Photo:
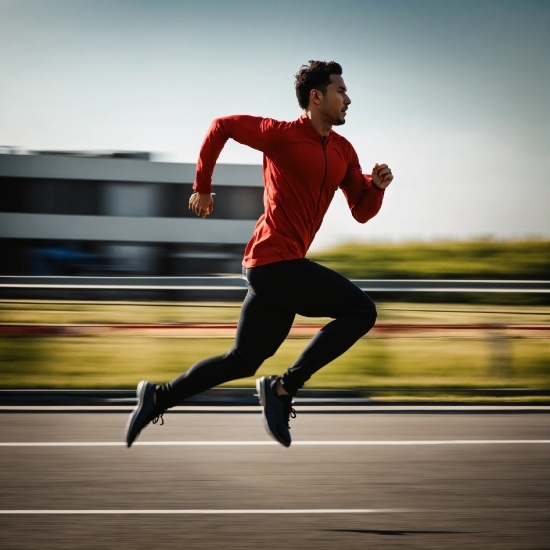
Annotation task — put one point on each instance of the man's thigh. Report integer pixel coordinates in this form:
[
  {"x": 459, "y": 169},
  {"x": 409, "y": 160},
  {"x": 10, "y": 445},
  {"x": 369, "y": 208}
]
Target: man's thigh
[
  {"x": 323, "y": 292},
  {"x": 307, "y": 288},
  {"x": 263, "y": 327}
]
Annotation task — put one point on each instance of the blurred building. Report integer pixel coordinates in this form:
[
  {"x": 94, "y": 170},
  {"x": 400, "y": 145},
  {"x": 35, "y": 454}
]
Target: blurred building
[{"x": 78, "y": 213}]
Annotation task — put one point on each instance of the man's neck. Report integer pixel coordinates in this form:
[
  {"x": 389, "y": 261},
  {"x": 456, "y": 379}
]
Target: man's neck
[{"x": 318, "y": 123}]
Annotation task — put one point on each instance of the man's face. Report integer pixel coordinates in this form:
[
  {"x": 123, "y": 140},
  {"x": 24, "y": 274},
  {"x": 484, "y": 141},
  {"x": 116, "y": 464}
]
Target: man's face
[{"x": 335, "y": 101}]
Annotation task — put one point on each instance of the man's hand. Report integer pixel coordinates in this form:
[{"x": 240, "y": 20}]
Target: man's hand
[
  {"x": 202, "y": 204},
  {"x": 381, "y": 176}
]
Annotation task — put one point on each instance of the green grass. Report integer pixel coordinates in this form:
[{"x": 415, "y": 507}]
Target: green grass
[
  {"x": 480, "y": 259},
  {"x": 78, "y": 312},
  {"x": 463, "y": 359},
  {"x": 120, "y": 361}
]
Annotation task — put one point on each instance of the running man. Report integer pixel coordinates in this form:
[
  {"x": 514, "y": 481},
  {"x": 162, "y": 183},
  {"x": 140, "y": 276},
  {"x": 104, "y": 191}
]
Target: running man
[{"x": 304, "y": 163}]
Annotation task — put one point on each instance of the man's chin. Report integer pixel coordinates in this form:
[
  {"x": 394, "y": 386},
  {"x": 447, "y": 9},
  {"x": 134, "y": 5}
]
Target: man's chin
[{"x": 340, "y": 121}]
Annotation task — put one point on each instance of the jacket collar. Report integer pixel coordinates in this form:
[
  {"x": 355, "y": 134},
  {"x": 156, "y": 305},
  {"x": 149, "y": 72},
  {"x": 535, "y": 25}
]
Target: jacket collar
[{"x": 311, "y": 130}]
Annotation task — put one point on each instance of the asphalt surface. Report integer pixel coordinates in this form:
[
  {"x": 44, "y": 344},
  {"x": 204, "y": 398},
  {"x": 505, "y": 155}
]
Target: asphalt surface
[{"x": 212, "y": 479}]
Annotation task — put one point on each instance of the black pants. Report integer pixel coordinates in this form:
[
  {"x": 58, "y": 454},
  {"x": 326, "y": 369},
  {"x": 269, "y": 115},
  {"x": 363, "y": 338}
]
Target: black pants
[{"x": 277, "y": 292}]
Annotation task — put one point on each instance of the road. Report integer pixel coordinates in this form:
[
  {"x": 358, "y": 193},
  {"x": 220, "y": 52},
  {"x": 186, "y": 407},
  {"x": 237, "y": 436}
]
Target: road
[{"x": 212, "y": 479}]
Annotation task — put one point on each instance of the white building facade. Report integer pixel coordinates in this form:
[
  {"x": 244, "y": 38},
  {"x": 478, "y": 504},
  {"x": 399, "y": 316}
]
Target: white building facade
[{"x": 116, "y": 213}]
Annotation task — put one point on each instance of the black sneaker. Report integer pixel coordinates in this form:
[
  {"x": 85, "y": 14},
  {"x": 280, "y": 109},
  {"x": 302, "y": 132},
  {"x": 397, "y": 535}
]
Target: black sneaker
[
  {"x": 277, "y": 410},
  {"x": 145, "y": 412}
]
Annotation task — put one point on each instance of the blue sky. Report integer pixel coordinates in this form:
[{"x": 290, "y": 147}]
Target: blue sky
[{"x": 453, "y": 94}]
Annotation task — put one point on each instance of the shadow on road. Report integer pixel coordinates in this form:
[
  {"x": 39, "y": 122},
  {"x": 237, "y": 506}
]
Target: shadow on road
[{"x": 395, "y": 532}]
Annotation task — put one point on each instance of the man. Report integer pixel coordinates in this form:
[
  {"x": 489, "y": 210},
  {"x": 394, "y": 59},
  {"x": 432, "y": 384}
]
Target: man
[{"x": 305, "y": 162}]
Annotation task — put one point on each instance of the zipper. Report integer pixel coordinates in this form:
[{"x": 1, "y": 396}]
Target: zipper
[{"x": 323, "y": 139}]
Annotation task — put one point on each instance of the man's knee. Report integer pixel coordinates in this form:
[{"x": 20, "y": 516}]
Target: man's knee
[
  {"x": 244, "y": 365},
  {"x": 372, "y": 311},
  {"x": 367, "y": 315}
]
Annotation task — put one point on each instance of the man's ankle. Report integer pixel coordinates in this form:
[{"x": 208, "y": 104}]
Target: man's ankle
[
  {"x": 161, "y": 398},
  {"x": 279, "y": 388}
]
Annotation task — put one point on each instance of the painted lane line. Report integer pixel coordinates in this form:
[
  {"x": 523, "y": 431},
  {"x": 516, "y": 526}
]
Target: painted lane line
[
  {"x": 201, "y": 511},
  {"x": 303, "y": 408},
  {"x": 273, "y": 443}
]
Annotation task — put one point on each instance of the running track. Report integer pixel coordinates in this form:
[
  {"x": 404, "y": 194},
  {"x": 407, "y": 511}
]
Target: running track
[{"x": 212, "y": 479}]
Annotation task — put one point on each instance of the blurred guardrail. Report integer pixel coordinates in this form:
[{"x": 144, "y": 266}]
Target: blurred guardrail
[
  {"x": 247, "y": 396},
  {"x": 226, "y": 288}
]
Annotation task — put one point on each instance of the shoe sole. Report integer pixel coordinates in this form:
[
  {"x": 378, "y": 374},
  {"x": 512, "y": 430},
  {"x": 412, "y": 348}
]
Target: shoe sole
[
  {"x": 140, "y": 394},
  {"x": 260, "y": 388}
]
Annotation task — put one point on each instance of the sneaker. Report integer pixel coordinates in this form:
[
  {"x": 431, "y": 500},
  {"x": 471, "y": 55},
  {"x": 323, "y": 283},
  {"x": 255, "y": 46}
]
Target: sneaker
[
  {"x": 145, "y": 412},
  {"x": 277, "y": 410}
]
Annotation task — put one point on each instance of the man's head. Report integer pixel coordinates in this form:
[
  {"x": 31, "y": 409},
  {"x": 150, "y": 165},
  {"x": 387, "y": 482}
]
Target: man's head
[{"x": 320, "y": 86}]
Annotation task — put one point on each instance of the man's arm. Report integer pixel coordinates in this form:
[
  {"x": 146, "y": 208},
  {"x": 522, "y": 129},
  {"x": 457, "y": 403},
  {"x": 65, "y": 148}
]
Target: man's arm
[
  {"x": 363, "y": 192},
  {"x": 256, "y": 132}
]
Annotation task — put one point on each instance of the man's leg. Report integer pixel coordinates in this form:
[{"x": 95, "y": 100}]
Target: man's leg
[
  {"x": 313, "y": 291},
  {"x": 317, "y": 291},
  {"x": 276, "y": 292},
  {"x": 262, "y": 328}
]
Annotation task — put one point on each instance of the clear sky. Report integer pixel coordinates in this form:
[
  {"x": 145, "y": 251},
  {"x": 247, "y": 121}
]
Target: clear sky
[{"x": 453, "y": 94}]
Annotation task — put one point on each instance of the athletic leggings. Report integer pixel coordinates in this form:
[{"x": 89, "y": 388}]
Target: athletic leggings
[{"x": 276, "y": 293}]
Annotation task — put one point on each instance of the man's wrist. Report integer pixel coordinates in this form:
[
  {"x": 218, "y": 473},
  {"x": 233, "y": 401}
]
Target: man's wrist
[{"x": 376, "y": 186}]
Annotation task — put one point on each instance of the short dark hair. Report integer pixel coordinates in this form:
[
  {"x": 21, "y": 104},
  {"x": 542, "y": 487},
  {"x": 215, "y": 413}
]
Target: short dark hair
[{"x": 315, "y": 76}]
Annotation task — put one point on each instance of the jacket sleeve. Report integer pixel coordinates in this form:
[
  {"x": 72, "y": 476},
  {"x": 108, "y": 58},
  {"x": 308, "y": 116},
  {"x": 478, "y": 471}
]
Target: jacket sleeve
[
  {"x": 256, "y": 132},
  {"x": 364, "y": 199}
]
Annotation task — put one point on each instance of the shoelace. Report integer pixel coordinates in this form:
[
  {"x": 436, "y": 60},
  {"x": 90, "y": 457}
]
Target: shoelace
[
  {"x": 157, "y": 418},
  {"x": 289, "y": 413}
]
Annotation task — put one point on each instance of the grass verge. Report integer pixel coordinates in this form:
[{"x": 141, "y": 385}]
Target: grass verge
[{"x": 120, "y": 360}]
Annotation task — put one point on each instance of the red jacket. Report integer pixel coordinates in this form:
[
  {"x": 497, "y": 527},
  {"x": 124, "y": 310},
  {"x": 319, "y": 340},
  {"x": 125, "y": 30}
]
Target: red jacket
[{"x": 302, "y": 171}]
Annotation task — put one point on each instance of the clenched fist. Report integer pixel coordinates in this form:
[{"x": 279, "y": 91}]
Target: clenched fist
[
  {"x": 202, "y": 204},
  {"x": 381, "y": 176}
]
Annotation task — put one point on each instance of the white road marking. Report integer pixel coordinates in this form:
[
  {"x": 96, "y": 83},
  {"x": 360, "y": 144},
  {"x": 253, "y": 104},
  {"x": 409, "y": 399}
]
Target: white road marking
[
  {"x": 519, "y": 408},
  {"x": 411, "y": 442},
  {"x": 200, "y": 511}
]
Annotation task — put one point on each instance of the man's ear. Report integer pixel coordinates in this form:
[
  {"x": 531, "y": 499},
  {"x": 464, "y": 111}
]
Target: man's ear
[{"x": 315, "y": 96}]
